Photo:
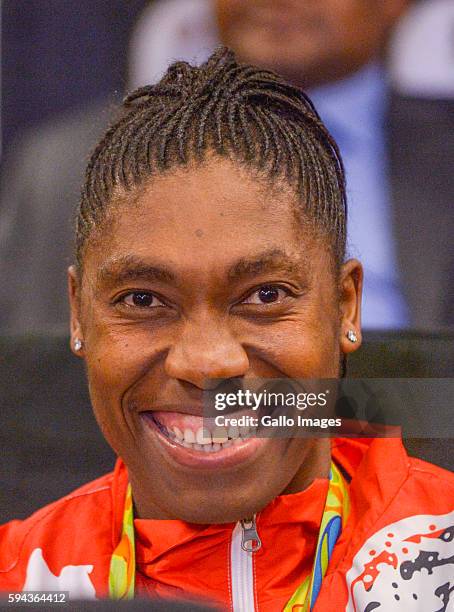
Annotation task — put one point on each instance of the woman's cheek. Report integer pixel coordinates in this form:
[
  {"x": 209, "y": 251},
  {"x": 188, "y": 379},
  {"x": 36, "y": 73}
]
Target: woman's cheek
[{"x": 280, "y": 353}]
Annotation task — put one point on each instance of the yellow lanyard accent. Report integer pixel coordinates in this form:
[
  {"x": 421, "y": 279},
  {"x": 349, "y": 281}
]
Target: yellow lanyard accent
[
  {"x": 122, "y": 572},
  {"x": 335, "y": 514}
]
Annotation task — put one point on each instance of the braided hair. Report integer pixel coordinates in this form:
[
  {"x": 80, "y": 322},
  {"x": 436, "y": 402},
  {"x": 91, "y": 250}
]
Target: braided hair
[{"x": 236, "y": 111}]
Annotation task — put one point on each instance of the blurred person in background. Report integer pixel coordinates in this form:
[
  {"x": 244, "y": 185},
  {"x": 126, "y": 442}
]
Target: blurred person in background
[{"x": 398, "y": 152}]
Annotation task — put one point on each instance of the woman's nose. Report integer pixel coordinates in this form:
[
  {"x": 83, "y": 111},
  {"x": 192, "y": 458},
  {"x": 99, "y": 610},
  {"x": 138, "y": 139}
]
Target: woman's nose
[{"x": 205, "y": 352}]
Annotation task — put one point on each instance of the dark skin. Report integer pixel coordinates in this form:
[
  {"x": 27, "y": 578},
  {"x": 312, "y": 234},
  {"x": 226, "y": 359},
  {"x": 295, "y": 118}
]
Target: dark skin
[
  {"x": 325, "y": 40},
  {"x": 200, "y": 243}
]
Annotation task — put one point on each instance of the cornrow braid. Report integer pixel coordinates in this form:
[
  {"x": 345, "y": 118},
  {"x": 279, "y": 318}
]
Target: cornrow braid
[{"x": 249, "y": 115}]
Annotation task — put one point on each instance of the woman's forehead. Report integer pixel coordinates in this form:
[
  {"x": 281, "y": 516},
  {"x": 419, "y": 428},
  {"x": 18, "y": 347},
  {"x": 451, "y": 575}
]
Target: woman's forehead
[
  {"x": 211, "y": 218},
  {"x": 209, "y": 207},
  {"x": 216, "y": 187}
]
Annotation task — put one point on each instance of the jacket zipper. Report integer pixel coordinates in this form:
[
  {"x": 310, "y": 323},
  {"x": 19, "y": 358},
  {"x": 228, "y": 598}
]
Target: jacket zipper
[{"x": 245, "y": 542}]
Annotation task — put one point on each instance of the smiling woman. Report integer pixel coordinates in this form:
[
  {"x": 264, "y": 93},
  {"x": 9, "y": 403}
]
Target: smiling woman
[{"x": 211, "y": 245}]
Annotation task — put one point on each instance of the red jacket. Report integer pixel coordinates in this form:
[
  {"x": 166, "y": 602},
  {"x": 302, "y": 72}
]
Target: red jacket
[{"x": 396, "y": 551}]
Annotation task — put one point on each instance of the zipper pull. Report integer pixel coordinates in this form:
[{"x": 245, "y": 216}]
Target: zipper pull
[{"x": 250, "y": 541}]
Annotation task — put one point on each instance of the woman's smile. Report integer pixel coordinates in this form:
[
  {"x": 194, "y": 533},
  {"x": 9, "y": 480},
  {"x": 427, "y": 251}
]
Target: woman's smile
[{"x": 193, "y": 441}]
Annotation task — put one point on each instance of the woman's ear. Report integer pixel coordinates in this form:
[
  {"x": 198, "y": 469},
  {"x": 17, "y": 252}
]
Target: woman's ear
[
  {"x": 350, "y": 286},
  {"x": 77, "y": 341}
]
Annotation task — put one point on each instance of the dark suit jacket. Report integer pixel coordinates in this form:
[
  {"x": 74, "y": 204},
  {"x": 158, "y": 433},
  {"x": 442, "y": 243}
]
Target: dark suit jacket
[
  {"x": 40, "y": 189},
  {"x": 421, "y": 149},
  {"x": 42, "y": 182}
]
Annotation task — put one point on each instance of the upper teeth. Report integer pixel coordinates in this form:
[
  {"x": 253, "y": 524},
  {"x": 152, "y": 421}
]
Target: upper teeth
[
  {"x": 204, "y": 437},
  {"x": 189, "y": 436}
]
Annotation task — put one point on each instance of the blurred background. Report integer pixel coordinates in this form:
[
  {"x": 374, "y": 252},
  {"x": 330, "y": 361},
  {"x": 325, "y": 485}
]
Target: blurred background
[{"x": 381, "y": 75}]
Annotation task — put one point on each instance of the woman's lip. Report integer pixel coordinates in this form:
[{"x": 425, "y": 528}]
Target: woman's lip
[
  {"x": 226, "y": 457},
  {"x": 193, "y": 421}
]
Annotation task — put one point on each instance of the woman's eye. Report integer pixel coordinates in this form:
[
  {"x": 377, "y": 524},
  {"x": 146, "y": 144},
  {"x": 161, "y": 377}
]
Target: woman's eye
[
  {"x": 268, "y": 294},
  {"x": 141, "y": 299}
]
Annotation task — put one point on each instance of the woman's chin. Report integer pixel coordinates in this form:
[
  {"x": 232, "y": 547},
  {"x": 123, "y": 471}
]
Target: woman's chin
[{"x": 220, "y": 511}]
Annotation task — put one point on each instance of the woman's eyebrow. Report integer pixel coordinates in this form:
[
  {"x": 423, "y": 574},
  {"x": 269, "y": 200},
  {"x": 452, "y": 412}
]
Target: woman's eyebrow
[
  {"x": 268, "y": 261},
  {"x": 129, "y": 267}
]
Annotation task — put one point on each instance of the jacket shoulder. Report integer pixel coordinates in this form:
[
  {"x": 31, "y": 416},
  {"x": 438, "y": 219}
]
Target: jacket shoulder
[
  {"x": 437, "y": 476},
  {"x": 72, "y": 531}
]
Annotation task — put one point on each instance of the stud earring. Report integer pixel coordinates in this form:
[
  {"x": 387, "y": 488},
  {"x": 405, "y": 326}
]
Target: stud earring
[
  {"x": 352, "y": 336},
  {"x": 77, "y": 344}
]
